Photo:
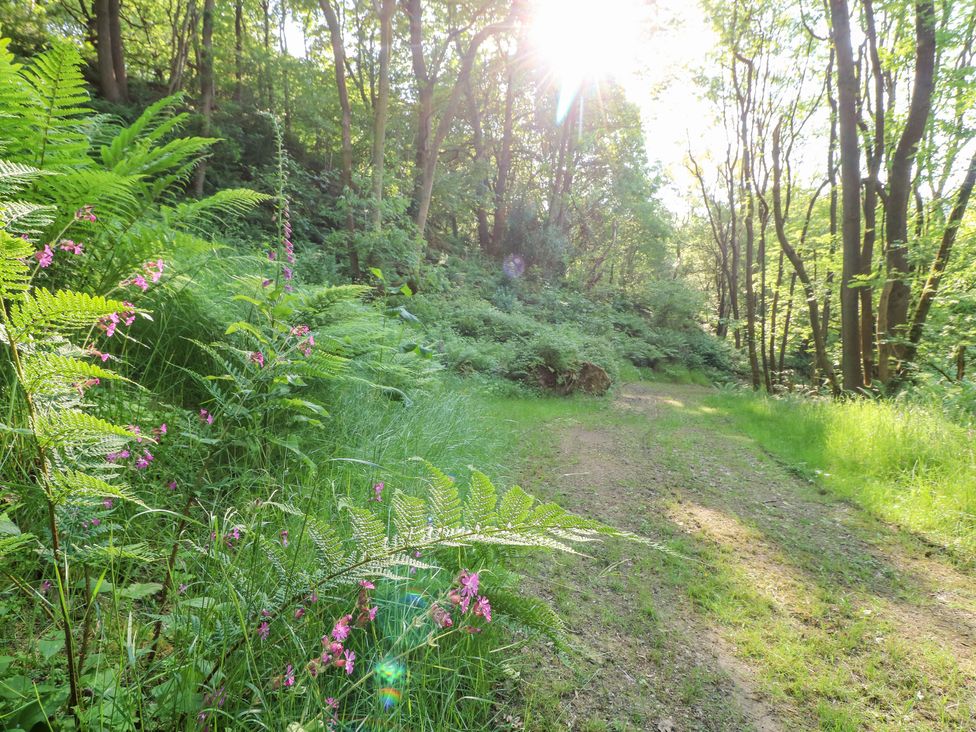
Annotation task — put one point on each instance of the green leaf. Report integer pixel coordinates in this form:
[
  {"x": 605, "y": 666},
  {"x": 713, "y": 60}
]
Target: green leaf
[{"x": 141, "y": 590}]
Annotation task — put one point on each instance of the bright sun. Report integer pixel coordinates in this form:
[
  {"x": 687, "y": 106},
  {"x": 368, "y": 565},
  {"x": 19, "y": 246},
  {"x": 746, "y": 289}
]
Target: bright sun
[{"x": 583, "y": 40}]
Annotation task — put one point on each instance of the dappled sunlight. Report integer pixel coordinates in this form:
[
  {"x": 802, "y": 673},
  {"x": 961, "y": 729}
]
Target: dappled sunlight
[{"x": 768, "y": 569}]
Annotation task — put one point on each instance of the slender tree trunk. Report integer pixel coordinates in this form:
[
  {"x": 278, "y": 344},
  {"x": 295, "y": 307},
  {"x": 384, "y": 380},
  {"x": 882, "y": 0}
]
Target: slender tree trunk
[
  {"x": 269, "y": 96},
  {"x": 381, "y": 110},
  {"x": 786, "y": 326},
  {"x": 851, "y": 195},
  {"x": 238, "y": 50},
  {"x": 481, "y": 164},
  {"x": 106, "y": 64},
  {"x": 118, "y": 52},
  {"x": 875, "y": 155},
  {"x": 429, "y": 144},
  {"x": 504, "y": 163},
  {"x": 745, "y": 102},
  {"x": 832, "y": 178},
  {"x": 931, "y": 288},
  {"x": 895, "y": 297},
  {"x": 345, "y": 180},
  {"x": 206, "y": 89},
  {"x": 823, "y": 362}
]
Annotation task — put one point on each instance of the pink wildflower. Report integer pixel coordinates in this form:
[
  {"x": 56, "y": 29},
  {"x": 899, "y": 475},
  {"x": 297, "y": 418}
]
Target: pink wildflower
[
  {"x": 378, "y": 492},
  {"x": 313, "y": 667},
  {"x": 300, "y": 331},
  {"x": 171, "y": 485},
  {"x": 128, "y": 316},
  {"x": 143, "y": 462},
  {"x": 85, "y": 212},
  {"x": 284, "y": 537},
  {"x": 272, "y": 255},
  {"x": 469, "y": 583},
  {"x": 67, "y": 245},
  {"x": 313, "y": 598},
  {"x": 299, "y": 613},
  {"x": 349, "y": 662},
  {"x": 335, "y": 648},
  {"x": 340, "y": 630},
  {"x": 206, "y": 416},
  {"x": 258, "y": 358},
  {"x": 371, "y": 612},
  {"x": 287, "y": 273},
  {"x": 182, "y": 589},
  {"x": 113, "y": 457},
  {"x": 108, "y": 324},
  {"x": 140, "y": 282},
  {"x": 266, "y": 283},
  {"x": 482, "y": 608},
  {"x": 289, "y": 675},
  {"x": 366, "y": 584},
  {"x": 264, "y": 630},
  {"x": 441, "y": 616},
  {"x": 154, "y": 269},
  {"x": 107, "y": 503},
  {"x": 44, "y": 257},
  {"x": 95, "y": 522},
  {"x": 45, "y": 586},
  {"x": 95, "y": 352},
  {"x": 160, "y": 431}
]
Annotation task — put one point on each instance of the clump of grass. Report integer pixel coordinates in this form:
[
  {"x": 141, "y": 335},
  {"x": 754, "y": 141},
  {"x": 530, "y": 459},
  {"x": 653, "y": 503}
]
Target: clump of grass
[{"x": 909, "y": 464}]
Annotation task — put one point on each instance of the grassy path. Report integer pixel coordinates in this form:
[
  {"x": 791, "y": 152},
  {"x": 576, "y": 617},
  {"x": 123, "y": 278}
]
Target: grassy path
[{"x": 780, "y": 608}]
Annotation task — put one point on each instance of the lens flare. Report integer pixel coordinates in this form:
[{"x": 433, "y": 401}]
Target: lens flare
[{"x": 390, "y": 676}]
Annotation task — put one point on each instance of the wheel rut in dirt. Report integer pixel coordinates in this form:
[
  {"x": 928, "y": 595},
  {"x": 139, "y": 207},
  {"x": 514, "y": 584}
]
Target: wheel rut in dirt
[{"x": 655, "y": 652}]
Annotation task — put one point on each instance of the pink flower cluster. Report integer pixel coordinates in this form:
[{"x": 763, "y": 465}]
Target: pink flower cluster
[
  {"x": 462, "y": 597},
  {"x": 45, "y": 257},
  {"x": 288, "y": 246},
  {"x": 308, "y": 340},
  {"x": 152, "y": 270},
  {"x": 85, "y": 213},
  {"x": 67, "y": 245},
  {"x": 110, "y": 323},
  {"x": 258, "y": 358}
]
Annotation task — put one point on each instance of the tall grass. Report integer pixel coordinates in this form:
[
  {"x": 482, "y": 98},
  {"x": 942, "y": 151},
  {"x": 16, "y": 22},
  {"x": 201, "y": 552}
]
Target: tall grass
[{"x": 907, "y": 463}]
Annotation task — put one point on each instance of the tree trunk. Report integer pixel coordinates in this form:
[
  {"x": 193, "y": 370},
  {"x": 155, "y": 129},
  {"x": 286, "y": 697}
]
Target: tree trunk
[
  {"x": 481, "y": 164},
  {"x": 504, "y": 162},
  {"x": 381, "y": 110},
  {"x": 745, "y": 101},
  {"x": 345, "y": 179},
  {"x": 823, "y": 362},
  {"x": 875, "y": 158},
  {"x": 106, "y": 64},
  {"x": 895, "y": 297},
  {"x": 851, "y": 195},
  {"x": 206, "y": 89},
  {"x": 931, "y": 288},
  {"x": 238, "y": 50},
  {"x": 428, "y": 145},
  {"x": 118, "y": 53}
]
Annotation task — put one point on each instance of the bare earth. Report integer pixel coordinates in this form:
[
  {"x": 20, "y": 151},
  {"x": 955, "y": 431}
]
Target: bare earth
[{"x": 770, "y": 583}]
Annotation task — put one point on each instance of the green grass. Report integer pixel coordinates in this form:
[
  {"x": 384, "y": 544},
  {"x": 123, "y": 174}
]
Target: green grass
[{"x": 907, "y": 464}]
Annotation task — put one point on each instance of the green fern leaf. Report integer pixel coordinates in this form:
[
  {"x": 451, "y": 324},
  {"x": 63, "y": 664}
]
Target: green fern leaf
[
  {"x": 70, "y": 484},
  {"x": 479, "y": 508}
]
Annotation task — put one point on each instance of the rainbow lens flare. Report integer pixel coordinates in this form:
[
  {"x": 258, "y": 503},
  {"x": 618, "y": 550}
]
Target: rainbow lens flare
[{"x": 389, "y": 676}]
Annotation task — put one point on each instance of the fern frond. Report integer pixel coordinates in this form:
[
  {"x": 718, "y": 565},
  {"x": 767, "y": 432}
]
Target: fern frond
[
  {"x": 24, "y": 217},
  {"x": 479, "y": 506},
  {"x": 42, "y": 311},
  {"x": 14, "y": 271},
  {"x": 443, "y": 502},
  {"x": 409, "y": 517},
  {"x": 70, "y": 428},
  {"x": 227, "y": 203},
  {"x": 155, "y": 122},
  {"x": 48, "y": 372},
  {"x": 11, "y": 544},
  {"x": 66, "y": 485},
  {"x": 14, "y": 177},
  {"x": 59, "y": 101}
]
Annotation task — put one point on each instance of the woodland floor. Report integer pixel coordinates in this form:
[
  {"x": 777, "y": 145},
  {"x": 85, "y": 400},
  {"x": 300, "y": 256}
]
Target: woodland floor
[{"x": 775, "y": 606}]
